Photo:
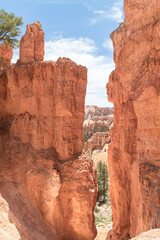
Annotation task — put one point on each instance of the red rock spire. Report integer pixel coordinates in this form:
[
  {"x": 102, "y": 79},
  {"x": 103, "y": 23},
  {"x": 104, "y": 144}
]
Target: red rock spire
[{"x": 32, "y": 44}]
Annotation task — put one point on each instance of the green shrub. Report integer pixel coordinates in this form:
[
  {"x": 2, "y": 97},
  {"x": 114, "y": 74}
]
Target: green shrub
[{"x": 9, "y": 28}]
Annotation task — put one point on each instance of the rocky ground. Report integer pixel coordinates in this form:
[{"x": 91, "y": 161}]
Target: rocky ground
[
  {"x": 153, "y": 234},
  {"x": 100, "y": 155},
  {"x": 103, "y": 216},
  {"x": 102, "y": 213}
]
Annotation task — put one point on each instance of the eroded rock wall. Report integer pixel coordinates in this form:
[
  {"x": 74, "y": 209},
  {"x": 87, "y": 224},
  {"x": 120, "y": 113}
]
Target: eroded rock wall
[
  {"x": 134, "y": 88},
  {"x": 6, "y": 53},
  {"x": 48, "y": 189}
]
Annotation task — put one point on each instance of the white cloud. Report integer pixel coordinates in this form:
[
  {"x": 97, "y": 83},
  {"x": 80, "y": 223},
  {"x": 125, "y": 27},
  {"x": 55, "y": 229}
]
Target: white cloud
[
  {"x": 94, "y": 21},
  {"x": 15, "y": 55},
  {"x": 108, "y": 44},
  {"x": 114, "y": 14},
  {"x": 70, "y": 45},
  {"x": 99, "y": 12},
  {"x": 59, "y": 2},
  {"x": 83, "y": 51}
]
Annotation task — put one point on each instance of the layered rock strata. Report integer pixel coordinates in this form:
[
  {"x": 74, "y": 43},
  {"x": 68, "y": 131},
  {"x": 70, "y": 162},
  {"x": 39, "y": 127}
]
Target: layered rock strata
[
  {"x": 95, "y": 111},
  {"x": 134, "y": 154},
  {"x": 48, "y": 189},
  {"x": 97, "y": 141},
  {"x": 97, "y": 119}
]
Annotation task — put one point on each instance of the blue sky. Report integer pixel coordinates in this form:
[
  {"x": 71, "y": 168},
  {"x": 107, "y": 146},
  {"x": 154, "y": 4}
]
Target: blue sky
[{"x": 78, "y": 29}]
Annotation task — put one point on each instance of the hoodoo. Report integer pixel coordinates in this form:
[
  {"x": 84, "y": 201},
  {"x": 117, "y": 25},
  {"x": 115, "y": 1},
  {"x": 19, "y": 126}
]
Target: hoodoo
[
  {"x": 47, "y": 188},
  {"x": 134, "y": 153},
  {"x": 32, "y": 44}
]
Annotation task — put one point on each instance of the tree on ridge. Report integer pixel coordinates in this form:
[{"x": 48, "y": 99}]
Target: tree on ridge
[{"x": 9, "y": 28}]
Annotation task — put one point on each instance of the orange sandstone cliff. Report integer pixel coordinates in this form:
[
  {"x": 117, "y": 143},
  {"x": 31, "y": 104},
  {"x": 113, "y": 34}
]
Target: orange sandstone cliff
[
  {"x": 134, "y": 88},
  {"x": 47, "y": 188}
]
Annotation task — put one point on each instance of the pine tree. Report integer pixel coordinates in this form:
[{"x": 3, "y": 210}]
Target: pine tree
[
  {"x": 102, "y": 180},
  {"x": 9, "y": 28},
  {"x": 86, "y": 137}
]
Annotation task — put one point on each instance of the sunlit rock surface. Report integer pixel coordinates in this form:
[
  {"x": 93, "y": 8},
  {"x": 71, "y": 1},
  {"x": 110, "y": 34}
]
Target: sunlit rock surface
[
  {"x": 32, "y": 44},
  {"x": 134, "y": 88},
  {"x": 48, "y": 189}
]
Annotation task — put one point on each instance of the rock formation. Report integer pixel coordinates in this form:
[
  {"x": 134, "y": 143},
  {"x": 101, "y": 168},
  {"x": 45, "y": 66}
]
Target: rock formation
[
  {"x": 47, "y": 188},
  {"x": 153, "y": 234},
  {"x": 134, "y": 153},
  {"x": 92, "y": 111},
  {"x": 32, "y": 44},
  {"x": 6, "y": 54},
  {"x": 97, "y": 119},
  {"x": 97, "y": 141}
]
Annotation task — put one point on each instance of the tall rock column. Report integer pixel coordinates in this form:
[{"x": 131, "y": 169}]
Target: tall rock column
[
  {"x": 134, "y": 153},
  {"x": 47, "y": 188},
  {"x": 32, "y": 44}
]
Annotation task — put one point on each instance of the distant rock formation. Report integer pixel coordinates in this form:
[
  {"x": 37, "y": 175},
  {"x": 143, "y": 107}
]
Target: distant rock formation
[
  {"x": 97, "y": 141},
  {"x": 97, "y": 119},
  {"x": 47, "y": 188},
  {"x": 97, "y": 124},
  {"x": 134, "y": 153},
  {"x": 92, "y": 111}
]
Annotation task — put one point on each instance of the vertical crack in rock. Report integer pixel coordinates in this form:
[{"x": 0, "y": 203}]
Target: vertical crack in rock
[
  {"x": 47, "y": 188},
  {"x": 134, "y": 88}
]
